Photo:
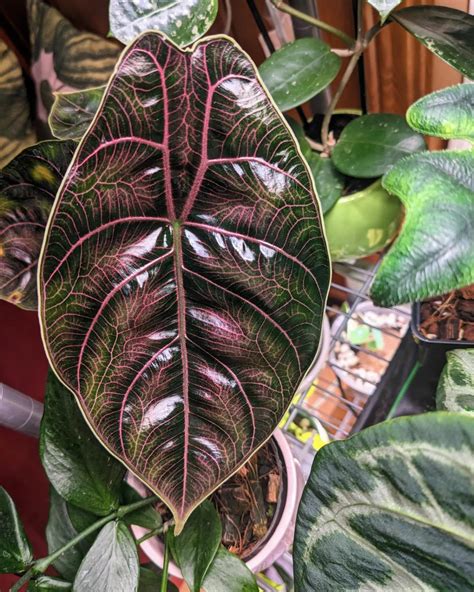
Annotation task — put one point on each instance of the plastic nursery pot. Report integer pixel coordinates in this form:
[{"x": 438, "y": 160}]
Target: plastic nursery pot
[
  {"x": 280, "y": 534},
  {"x": 438, "y": 344},
  {"x": 362, "y": 223},
  {"x": 320, "y": 359}
]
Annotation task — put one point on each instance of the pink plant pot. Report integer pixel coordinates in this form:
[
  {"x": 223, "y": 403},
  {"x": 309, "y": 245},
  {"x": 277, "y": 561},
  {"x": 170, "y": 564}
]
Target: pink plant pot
[{"x": 278, "y": 542}]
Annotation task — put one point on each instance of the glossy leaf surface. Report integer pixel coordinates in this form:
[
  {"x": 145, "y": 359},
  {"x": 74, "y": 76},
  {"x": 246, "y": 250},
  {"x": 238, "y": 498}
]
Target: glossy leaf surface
[
  {"x": 299, "y": 71},
  {"x": 15, "y": 549},
  {"x": 77, "y": 465},
  {"x": 185, "y": 272},
  {"x": 27, "y": 189},
  {"x": 195, "y": 548},
  {"x": 435, "y": 251},
  {"x": 447, "y": 113},
  {"x": 60, "y": 531},
  {"x": 48, "y": 584},
  {"x": 328, "y": 180},
  {"x": 370, "y": 145},
  {"x": 150, "y": 581},
  {"x": 147, "y": 517},
  {"x": 447, "y": 32},
  {"x": 111, "y": 565},
  {"x": 183, "y": 22},
  {"x": 391, "y": 508},
  {"x": 384, "y": 7},
  {"x": 455, "y": 390},
  {"x": 227, "y": 572},
  {"x": 73, "y": 112}
]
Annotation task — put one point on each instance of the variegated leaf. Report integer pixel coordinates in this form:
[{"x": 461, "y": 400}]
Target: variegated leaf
[
  {"x": 28, "y": 186},
  {"x": 391, "y": 508},
  {"x": 73, "y": 112},
  {"x": 456, "y": 386},
  {"x": 185, "y": 271}
]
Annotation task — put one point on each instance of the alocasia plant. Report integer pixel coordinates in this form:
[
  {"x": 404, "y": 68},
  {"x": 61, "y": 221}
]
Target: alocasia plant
[
  {"x": 27, "y": 189},
  {"x": 184, "y": 271}
]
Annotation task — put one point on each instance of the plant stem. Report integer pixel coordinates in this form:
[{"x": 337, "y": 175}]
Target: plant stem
[
  {"x": 41, "y": 565},
  {"x": 166, "y": 561},
  {"x": 155, "y": 532},
  {"x": 349, "y": 41},
  {"x": 361, "y": 43}
]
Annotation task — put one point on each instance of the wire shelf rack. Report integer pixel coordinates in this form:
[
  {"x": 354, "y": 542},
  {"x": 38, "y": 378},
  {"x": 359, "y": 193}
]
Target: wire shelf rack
[{"x": 329, "y": 408}]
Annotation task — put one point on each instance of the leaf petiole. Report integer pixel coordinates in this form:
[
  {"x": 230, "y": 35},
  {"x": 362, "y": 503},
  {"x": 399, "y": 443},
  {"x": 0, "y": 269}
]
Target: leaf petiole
[{"x": 166, "y": 560}]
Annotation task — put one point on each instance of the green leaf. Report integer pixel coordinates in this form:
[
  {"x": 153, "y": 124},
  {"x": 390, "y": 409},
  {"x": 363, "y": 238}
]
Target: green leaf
[
  {"x": 80, "y": 519},
  {"x": 195, "y": 548},
  {"x": 48, "y": 584},
  {"x": 15, "y": 549},
  {"x": 299, "y": 71},
  {"x": 147, "y": 517},
  {"x": 150, "y": 581},
  {"x": 16, "y": 130},
  {"x": 434, "y": 252},
  {"x": 183, "y": 22},
  {"x": 384, "y": 7},
  {"x": 447, "y": 32},
  {"x": 300, "y": 136},
  {"x": 370, "y": 145},
  {"x": 328, "y": 180},
  {"x": 455, "y": 390},
  {"x": 447, "y": 113},
  {"x": 229, "y": 573},
  {"x": 391, "y": 508},
  {"x": 111, "y": 565},
  {"x": 73, "y": 112},
  {"x": 60, "y": 531},
  {"x": 28, "y": 185},
  {"x": 79, "y": 468}
]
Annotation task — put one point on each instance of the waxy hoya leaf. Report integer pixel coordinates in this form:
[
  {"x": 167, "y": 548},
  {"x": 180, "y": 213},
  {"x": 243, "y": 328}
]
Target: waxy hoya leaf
[
  {"x": 185, "y": 272},
  {"x": 28, "y": 185},
  {"x": 73, "y": 112},
  {"x": 183, "y": 21}
]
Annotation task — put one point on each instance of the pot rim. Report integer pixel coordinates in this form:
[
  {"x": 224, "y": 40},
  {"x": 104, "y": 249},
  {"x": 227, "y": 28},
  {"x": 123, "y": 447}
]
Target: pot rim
[{"x": 266, "y": 555}]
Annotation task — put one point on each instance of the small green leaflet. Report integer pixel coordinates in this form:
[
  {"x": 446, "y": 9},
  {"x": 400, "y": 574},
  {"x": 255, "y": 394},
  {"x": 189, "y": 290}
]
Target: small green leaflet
[
  {"x": 299, "y": 71},
  {"x": 48, "y": 584},
  {"x": 384, "y": 7},
  {"x": 73, "y": 112},
  {"x": 15, "y": 549},
  {"x": 455, "y": 390},
  {"x": 391, "y": 508},
  {"x": 434, "y": 252},
  {"x": 229, "y": 573},
  {"x": 328, "y": 180},
  {"x": 183, "y": 21},
  {"x": 447, "y": 113}
]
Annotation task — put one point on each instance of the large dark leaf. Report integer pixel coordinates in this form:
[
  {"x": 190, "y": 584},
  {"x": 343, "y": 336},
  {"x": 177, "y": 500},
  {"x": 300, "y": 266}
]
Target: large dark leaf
[
  {"x": 447, "y": 32},
  {"x": 195, "y": 548},
  {"x": 435, "y": 251},
  {"x": 78, "y": 466},
  {"x": 15, "y": 549},
  {"x": 391, "y": 508},
  {"x": 111, "y": 564},
  {"x": 27, "y": 189},
  {"x": 185, "y": 271}
]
